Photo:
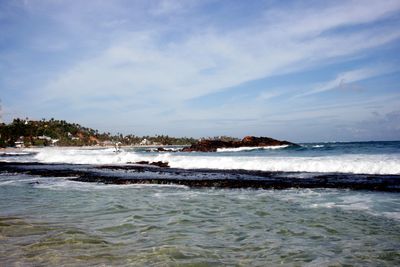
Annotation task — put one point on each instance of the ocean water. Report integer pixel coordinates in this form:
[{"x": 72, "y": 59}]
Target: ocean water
[{"x": 54, "y": 221}]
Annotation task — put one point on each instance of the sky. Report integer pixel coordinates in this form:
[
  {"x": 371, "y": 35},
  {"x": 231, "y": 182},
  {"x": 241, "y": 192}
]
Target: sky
[{"x": 297, "y": 70}]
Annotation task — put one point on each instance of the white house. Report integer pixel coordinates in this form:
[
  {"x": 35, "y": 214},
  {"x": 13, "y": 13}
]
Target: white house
[
  {"x": 145, "y": 142},
  {"x": 20, "y": 142},
  {"x": 44, "y": 137}
]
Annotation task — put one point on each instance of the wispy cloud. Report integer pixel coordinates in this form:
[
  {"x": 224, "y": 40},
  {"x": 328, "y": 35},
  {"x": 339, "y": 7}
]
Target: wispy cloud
[
  {"x": 312, "y": 20},
  {"x": 206, "y": 62},
  {"x": 169, "y": 7},
  {"x": 139, "y": 59},
  {"x": 267, "y": 95},
  {"x": 348, "y": 77}
]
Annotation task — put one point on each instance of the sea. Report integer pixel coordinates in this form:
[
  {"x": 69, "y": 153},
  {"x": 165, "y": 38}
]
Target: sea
[{"x": 53, "y": 220}]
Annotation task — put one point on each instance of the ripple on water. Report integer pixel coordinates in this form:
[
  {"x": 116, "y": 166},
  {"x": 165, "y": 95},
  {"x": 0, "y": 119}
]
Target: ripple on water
[{"x": 168, "y": 225}]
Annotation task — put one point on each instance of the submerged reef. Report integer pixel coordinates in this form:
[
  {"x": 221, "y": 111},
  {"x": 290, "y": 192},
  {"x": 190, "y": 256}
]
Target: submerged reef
[{"x": 152, "y": 173}]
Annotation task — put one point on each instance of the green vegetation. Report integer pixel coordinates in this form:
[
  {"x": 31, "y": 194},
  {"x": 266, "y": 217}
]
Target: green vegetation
[{"x": 62, "y": 133}]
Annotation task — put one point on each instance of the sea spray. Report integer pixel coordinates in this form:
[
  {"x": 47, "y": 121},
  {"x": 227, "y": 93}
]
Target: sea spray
[{"x": 329, "y": 163}]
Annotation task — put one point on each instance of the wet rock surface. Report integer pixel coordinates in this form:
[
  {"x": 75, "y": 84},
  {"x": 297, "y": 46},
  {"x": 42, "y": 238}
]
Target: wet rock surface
[
  {"x": 248, "y": 141},
  {"x": 149, "y": 174},
  {"x": 154, "y": 163}
]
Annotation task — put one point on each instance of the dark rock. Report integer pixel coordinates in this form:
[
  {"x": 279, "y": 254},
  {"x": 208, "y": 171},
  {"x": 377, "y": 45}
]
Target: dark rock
[
  {"x": 160, "y": 164},
  {"x": 142, "y": 162},
  {"x": 161, "y": 149},
  {"x": 205, "y": 178},
  {"x": 248, "y": 141},
  {"x": 252, "y": 141},
  {"x": 155, "y": 163}
]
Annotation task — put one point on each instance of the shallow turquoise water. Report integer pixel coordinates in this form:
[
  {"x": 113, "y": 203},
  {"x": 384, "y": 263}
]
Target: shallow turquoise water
[
  {"x": 48, "y": 221},
  {"x": 53, "y": 221}
]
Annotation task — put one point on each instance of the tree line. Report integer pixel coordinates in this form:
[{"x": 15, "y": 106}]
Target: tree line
[{"x": 59, "y": 132}]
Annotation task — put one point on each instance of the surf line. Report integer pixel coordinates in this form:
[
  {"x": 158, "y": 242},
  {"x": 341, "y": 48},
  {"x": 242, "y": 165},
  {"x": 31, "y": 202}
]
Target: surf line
[{"x": 145, "y": 173}]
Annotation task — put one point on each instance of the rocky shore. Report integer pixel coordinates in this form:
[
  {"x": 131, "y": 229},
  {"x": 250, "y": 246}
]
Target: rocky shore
[
  {"x": 148, "y": 173},
  {"x": 248, "y": 141}
]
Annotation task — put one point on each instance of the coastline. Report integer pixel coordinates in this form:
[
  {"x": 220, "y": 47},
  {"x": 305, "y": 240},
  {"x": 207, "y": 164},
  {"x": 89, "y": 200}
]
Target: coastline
[
  {"x": 86, "y": 147},
  {"x": 145, "y": 173},
  {"x": 68, "y": 202}
]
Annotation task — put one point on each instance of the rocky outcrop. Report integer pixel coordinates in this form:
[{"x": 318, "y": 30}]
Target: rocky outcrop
[
  {"x": 143, "y": 174},
  {"x": 248, "y": 141},
  {"x": 207, "y": 146},
  {"x": 154, "y": 163}
]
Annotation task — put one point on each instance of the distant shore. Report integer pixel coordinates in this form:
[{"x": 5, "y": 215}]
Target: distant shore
[{"x": 94, "y": 146}]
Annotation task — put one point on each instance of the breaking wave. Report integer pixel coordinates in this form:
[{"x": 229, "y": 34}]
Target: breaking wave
[
  {"x": 360, "y": 164},
  {"x": 245, "y": 148},
  {"x": 353, "y": 163}
]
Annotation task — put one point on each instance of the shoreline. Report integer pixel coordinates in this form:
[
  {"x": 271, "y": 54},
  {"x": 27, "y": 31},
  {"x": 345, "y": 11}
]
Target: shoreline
[
  {"x": 86, "y": 147},
  {"x": 209, "y": 178}
]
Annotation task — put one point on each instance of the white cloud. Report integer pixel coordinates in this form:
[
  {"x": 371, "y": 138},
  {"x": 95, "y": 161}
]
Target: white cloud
[
  {"x": 313, "y": 20},
  {"x": 167, "y": 7},
  {"x": 348, "y": 77},
  {"x": 148, "y": 59},
  {"x": 206, "y": 62},
  {"x": 268, "y": 94}
]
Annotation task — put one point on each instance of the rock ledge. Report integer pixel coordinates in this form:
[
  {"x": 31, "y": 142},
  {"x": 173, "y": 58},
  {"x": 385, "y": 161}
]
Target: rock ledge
[{"x": 248, "y": 141}]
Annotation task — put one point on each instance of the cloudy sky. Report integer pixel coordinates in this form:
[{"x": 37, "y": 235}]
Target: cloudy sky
[{"x": 297, "y": 70}]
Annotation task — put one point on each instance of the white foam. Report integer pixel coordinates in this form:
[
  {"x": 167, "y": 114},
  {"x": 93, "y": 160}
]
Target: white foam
[
  {"x": 7, "y": 182},
  {"x": 358, "y": 206},
  {"x": 353, "y": 163},
  {"x": 248, "y": 148},
  {"x": 318, "y": 146},
  {"x": 78, "y": 156},
  {"x": 372, "y": 203},
  {"x": 361, "y": 164},
  {"x": 65, "y": 184},
  {"x": 395, "y": 215},
  {"x": 17, "y": 181}
]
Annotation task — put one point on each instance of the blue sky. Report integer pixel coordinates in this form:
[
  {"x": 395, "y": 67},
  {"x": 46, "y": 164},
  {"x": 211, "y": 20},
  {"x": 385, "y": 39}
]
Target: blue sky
[{"x": 296, "y": 70}]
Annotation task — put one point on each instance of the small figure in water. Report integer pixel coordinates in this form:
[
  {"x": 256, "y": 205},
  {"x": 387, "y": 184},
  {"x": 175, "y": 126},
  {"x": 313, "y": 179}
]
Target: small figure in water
[{"x": 117, "y": 147}]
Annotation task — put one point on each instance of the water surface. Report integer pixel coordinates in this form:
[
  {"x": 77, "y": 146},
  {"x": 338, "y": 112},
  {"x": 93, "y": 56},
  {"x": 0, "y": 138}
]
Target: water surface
[{"x": 53, "y": 221}]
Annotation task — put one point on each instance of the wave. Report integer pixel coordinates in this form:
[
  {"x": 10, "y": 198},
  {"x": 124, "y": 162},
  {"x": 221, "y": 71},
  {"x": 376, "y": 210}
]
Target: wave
[
  {"x": 353, "y": 163},
  {"x": 65, "y": 184},
  {"x": 245, "y": 148},
  {"x": 375, "y": 204},
  {"x": 358, "y": 164},
  {"x": 83, "y": 156}
]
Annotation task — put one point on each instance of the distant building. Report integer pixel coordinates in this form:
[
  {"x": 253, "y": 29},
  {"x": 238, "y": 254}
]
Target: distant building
[
  {"x": 44, "y": 137},
  {"x": 54, "y": 141},
  {"x": 48, "y": 139},
  {"x": 70, "y": 136},
  {"x": 145, "y": 142},
  {"x": 20, "y": 142}
]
